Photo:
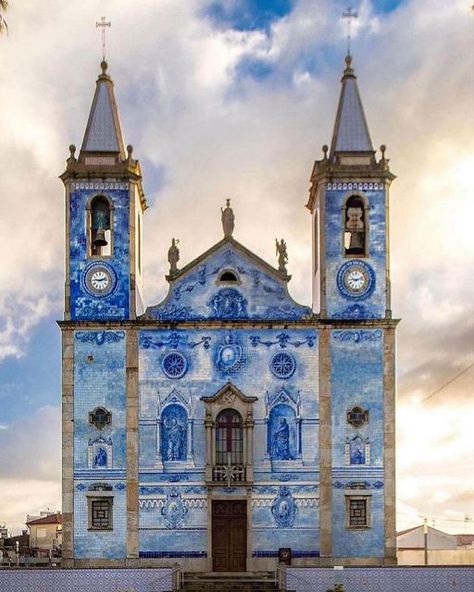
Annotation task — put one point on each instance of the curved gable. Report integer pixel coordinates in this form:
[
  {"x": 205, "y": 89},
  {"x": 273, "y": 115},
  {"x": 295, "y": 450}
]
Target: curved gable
[{"x": 200, "y": 291}]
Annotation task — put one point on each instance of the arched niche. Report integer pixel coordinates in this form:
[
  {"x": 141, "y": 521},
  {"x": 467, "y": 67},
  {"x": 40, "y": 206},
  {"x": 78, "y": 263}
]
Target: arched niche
[
  {"x": 174, "y": 433},
  {"x": 282, "y": 433},
  {"x": 100, "y": 226},
  {"x": 355, "y": 226}
]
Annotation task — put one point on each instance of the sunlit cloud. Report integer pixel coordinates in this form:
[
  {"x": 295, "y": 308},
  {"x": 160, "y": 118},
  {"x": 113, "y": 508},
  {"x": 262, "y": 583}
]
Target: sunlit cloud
[{"x": 215, "y": 111}]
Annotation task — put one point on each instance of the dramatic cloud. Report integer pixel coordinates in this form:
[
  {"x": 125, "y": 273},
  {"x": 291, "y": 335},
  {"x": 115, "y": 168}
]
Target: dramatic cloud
[{"x": 221, "y": 102}]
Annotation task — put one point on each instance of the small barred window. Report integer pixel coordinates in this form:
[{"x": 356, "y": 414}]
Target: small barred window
[
  {"x": 358, "y": 513},
  {"x": 101, "y": 514}
]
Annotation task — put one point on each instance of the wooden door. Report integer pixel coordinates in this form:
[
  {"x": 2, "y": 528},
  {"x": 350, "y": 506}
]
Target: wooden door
[{"x": 229, "y": 535}]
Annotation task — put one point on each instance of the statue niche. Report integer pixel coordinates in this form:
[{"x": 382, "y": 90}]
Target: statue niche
[
  {"x": 174, "y": 420},
  {"x": 281, "y": 433}
]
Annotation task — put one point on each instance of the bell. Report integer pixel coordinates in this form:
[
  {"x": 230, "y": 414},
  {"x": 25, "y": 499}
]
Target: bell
[
  {"x": 99, "y": 239},
  {"x": 356, "y": 245}
]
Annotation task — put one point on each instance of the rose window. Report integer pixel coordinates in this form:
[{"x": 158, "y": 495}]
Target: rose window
[
  {"x": 174, "y": 365},
  {"x": 283, "y": 365}
]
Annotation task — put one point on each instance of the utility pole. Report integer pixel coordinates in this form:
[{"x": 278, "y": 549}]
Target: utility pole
[{"x": 425, "y": 536}]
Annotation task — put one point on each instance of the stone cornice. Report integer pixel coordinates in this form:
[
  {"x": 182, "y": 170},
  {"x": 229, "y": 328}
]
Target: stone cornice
[{"x": 315, "y": 322}]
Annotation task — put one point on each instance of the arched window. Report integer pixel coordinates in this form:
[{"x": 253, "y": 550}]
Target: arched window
[
  {"x": 355, "y": 227},
  {"x": 229, "y": 438},
  {"x": 228, "y": 277},
  {"x": 100, "y": 231}
]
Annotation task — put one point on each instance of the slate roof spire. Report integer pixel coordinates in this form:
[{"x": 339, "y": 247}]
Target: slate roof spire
[
  {"x": 351, "y": 133},
  {"x": 103, "y": 132}
]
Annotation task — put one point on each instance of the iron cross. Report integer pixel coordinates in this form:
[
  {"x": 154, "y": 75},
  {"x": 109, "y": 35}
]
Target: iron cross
[
  {"x": 102, "y": 24},
  {"x": 349, "y": 15}
]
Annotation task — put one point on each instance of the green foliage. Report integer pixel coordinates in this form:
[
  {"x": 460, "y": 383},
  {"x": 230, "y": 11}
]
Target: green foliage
[{"x": 336, "y": 588}]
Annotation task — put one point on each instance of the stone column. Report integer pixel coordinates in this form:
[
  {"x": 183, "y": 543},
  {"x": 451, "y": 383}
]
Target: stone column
[
  {"x": 68, "y": 447},
  {"x": 325, "y": 447},
  {"x": 249, "y": 426},
  {"x": 209, "y": 458},
  {"x": 132, "y": 446}
]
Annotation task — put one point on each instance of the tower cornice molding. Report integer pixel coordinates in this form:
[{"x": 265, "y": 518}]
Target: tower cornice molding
[{"x": 325, "y": 171}]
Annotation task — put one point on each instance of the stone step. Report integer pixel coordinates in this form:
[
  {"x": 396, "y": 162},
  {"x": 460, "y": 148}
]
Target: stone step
[
  {"x": 230, "y": 587},
  {"x": 262, "y": 581}
]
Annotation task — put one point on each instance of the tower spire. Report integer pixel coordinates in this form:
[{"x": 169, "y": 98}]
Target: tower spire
[
  {"x": 351, "y": 132},
  {"x": 103, "y": 131}
]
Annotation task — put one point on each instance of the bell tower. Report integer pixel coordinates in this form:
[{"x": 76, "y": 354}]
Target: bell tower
[
  {"x": 351, "y": 291},
  {"x": 104, "y": 208},
  {"x": 349, "y": 206}
]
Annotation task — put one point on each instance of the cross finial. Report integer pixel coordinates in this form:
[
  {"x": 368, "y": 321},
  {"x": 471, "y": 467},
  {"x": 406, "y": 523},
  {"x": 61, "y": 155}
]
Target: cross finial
[
  {"x": 349, "y": 14},
  {"x": 102, "y": 24}
]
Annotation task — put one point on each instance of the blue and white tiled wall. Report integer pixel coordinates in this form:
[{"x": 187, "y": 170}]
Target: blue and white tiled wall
[
  {"x": 254, "y": 372},
  {"x": 357, "y": 381},
  {"x": 99, "y": 381},
  {"x": 117, "y": 305},
  {"x": 338, "y": 305}
]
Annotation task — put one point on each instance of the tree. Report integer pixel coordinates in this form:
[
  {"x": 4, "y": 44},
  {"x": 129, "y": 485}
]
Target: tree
[{"x": 3, "y": 9}]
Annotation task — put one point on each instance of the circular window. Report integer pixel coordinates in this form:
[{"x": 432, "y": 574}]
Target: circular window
[
  {"x": 283, "y": 365},
  {"x": 357, "y": 417},
  {"x": 174, "y": 365}
]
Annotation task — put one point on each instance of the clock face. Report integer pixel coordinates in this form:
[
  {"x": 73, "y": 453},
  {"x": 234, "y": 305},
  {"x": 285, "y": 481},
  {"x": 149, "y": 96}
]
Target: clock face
[
  {"x": 356, "y": 280},
  {"x": 99, "y": 280}
]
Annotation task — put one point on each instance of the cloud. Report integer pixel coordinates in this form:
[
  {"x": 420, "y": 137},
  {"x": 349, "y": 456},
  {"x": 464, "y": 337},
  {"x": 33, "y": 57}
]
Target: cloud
[
  {"x": 207, "y": 127},
  {"x": 40, "y": 433},
  {"x": 30, "y": 466}
]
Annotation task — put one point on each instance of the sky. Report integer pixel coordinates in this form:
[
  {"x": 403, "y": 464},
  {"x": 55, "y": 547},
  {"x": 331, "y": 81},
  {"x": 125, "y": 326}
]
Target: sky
[{"x": 234, "y": 98}]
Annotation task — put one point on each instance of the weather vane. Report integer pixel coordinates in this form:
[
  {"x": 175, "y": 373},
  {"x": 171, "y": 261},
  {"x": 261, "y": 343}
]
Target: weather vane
[
  {"x": 349, "y": 15},
  {"x": 102, "y": 24}
]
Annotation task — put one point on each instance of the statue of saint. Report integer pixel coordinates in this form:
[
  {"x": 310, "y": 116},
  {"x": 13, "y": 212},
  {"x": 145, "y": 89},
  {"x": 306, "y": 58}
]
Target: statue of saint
[
  {"x": 174, "y": 434},
  {"x": 357, "y": 454},
  {"x": 173, "y": 256},
  {"x": 282, "y": 255},
  {"x": 228, "y": 218},
  {"x": 281, "y": 441},
  {"x": 100, "y": 459}
]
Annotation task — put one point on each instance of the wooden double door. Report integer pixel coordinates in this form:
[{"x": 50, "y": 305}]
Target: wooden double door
[{"x": 229, "y": 535}]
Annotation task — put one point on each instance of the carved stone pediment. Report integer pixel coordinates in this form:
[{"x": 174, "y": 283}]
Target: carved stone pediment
[{"x": 228, "y": 395}]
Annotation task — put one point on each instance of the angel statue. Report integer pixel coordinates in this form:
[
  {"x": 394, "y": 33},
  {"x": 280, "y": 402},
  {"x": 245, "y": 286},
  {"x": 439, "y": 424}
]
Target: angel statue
[{"x": 282, "y": 255}]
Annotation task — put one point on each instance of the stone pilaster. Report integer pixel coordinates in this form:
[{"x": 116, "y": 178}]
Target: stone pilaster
[
  {"x": 325, "y": 447},
  {"x": 132, "y": 446},
  {"x": 389, "y": 446},
  {"x": 68, "y": 447}
]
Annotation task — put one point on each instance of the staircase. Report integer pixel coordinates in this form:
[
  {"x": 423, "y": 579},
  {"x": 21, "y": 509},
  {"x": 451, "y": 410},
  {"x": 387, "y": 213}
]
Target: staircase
[{"x": 262, "y": 581}]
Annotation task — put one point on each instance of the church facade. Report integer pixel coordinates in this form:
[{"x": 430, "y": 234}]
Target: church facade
[{"x": 228, "y": 426}]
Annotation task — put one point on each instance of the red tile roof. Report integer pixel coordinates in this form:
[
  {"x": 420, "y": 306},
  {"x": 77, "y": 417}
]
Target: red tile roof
[
  {"x": 464, "y": 539},
  {"x": 52, "y": 519}
]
